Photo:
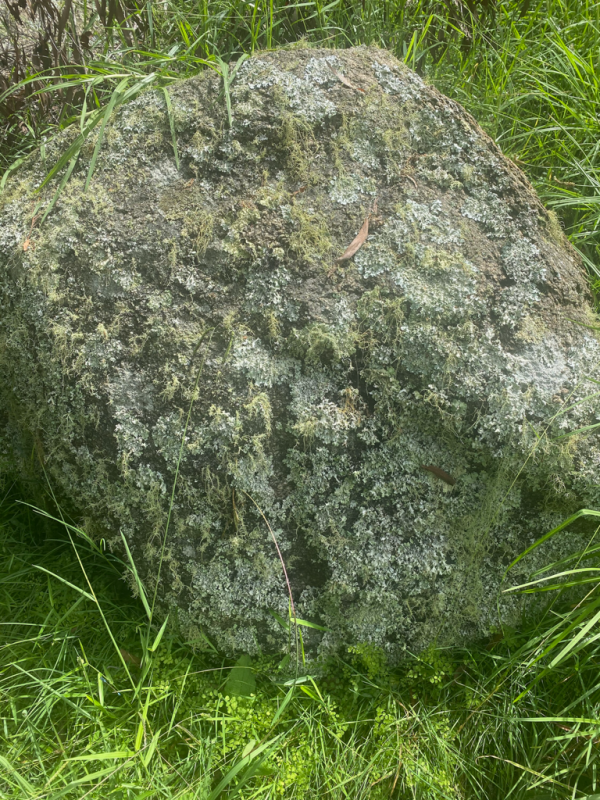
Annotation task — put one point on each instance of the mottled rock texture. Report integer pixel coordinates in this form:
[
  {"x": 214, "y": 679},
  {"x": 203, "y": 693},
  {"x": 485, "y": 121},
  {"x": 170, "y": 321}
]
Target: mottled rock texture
[{"x": 455, "y": 338}]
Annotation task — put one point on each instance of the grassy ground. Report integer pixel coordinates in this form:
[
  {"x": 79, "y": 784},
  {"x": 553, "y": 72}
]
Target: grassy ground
[{"x": 96, "y": 702}]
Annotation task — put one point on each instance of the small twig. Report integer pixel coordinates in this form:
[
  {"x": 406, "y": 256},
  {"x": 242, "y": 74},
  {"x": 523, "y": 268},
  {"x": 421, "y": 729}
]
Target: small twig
[
  {"x": 287, "y": 580},
  {"x": 345, "y": 81},
  {"x": 439, "y": 473}
]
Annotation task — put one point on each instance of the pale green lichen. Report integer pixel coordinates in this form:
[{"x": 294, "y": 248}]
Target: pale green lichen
[{"x": 318, "y": 388}]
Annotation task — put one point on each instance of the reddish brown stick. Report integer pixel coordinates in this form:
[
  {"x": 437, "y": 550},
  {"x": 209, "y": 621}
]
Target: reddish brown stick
[{"x": 440, "y": 473}]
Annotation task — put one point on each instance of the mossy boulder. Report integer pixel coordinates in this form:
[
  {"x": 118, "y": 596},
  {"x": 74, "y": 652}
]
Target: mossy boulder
[{"x": 458, "y": 337}]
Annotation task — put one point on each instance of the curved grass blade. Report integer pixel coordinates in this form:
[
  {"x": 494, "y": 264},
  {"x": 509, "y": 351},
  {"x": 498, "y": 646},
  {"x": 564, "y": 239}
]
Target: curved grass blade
[
  {"x": 286, "y": 701},
  {"x": 584, "y": 512},
  {"x": 535, "y": 586},
  {"x": 24, "y": 784},
  {"x": 165, "y": 91},
  {"x": 73, "y": 149},
  {"x": 15, "y": 165},
  {"x": 159, "y": 635},
  {"x": 62, "y": 184},
  {"x": 265, "y": 748},
  {"x": 106, "y": 116},
  {"x": 138, "y": 581},
  {"x": 85, "y": 594}
]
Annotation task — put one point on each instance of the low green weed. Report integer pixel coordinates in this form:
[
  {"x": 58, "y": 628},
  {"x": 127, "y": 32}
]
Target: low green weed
[{"x": 97, "y": 701}]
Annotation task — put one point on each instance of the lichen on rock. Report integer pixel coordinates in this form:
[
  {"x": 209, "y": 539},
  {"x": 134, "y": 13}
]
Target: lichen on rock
[{"x": 459, "y": 336}]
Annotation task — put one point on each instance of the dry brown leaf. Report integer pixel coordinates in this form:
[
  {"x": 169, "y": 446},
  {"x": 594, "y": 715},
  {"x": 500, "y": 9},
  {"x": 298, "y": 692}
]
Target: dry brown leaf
[
  {"x": 27, "y": 241},
  {"x": 346, "y": 82},
  {"x": 568, "y": 184},
  {"x": 356, "y": 244}
]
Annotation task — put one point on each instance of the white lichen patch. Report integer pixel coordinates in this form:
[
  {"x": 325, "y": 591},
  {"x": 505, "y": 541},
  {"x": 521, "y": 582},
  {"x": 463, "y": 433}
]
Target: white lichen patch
[
  {"x": 256, "y": 363},
  {"x": 488, "y": 209},
  {"x": 322, "y": 71},
  {"x": 350, "y": 189},
  {"x": 400, "y": 82},
  {"x": 304, "y": 96}
]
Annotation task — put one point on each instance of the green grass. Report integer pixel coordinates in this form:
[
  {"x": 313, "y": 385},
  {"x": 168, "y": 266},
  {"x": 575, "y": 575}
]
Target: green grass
[{"x": 96, "y": 702}]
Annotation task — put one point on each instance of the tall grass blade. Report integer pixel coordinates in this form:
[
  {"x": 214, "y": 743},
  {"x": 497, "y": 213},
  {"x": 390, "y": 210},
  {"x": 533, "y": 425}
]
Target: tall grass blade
[
  {"x": 61, "y": 186},
  {"x": 114, "y": 100},
  {"x": 159, "y": 635},
  {"x": 24, "y": 784},
  {"x": 265, "y": 748},
  {"x": 171, "y": 124},
  {"x": 584, "y": 512}
]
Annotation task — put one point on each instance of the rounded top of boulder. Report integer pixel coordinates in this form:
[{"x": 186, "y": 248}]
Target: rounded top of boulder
[{"x": 323, "y": 299}]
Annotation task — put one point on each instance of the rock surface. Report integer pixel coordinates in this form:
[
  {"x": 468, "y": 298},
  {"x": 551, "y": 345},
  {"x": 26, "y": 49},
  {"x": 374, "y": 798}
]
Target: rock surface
[{"x": 454, "y": 338}]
